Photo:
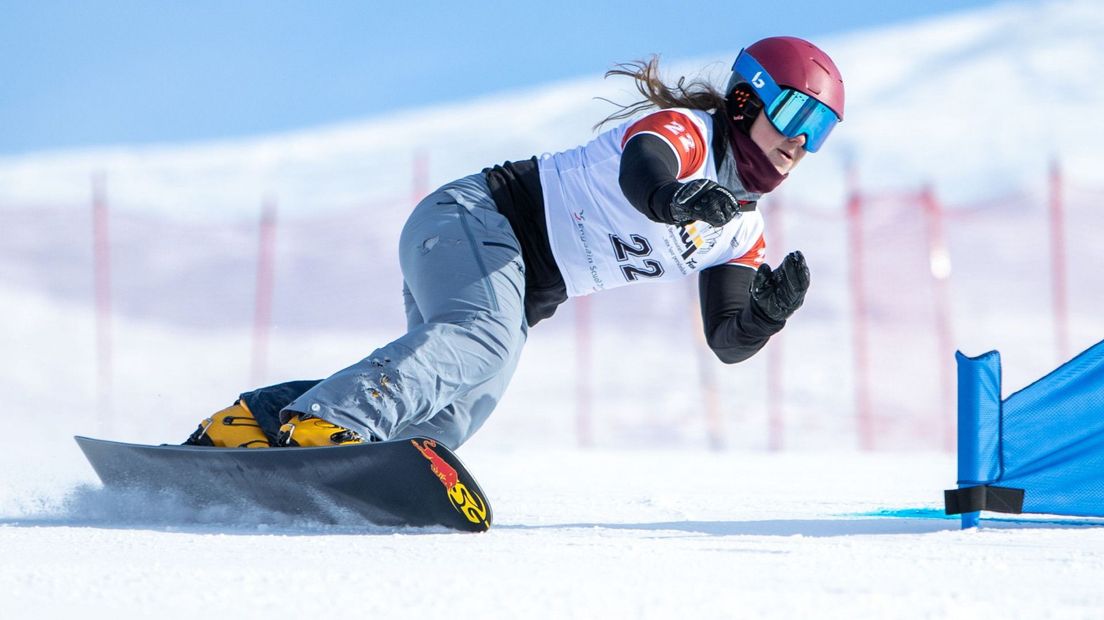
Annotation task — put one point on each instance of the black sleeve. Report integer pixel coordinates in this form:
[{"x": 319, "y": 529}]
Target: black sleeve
[
  {"x": 649, "y": 176},
  {"x": 265, "y": 403},
  {"x": 734, "y": 328}
]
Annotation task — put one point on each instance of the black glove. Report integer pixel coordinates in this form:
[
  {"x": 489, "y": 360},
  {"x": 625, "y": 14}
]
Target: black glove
[
  {"x": 704, "y": 200},
  {"x": 777, "y": 294}
]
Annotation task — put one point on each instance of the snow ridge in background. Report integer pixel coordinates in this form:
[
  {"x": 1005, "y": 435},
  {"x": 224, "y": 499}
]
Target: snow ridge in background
[{"x": 974, "y": 102}]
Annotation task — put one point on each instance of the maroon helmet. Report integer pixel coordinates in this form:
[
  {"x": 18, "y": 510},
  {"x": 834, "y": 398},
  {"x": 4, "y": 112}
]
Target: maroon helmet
[{"x": 790, "y": 77}]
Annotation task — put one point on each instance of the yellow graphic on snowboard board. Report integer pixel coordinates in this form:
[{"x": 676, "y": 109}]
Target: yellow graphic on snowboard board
[{"x": 468, "y": 503}]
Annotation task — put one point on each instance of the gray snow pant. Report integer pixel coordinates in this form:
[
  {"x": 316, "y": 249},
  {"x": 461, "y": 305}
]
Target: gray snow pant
[{"x": 464, "y": 289}]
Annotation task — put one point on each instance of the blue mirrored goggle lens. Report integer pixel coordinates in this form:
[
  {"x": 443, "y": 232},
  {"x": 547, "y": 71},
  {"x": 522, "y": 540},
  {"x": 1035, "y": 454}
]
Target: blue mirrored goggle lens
[{"x": 794, "y": 113}]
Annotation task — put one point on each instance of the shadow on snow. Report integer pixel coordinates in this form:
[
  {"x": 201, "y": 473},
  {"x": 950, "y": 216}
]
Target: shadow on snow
[
  {"x": 98, "y": 507},
  {"x": 882, "y": 522}
]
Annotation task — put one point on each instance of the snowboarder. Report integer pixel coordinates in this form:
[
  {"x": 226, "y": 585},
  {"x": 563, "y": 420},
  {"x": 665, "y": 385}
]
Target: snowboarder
[{"x": 484, "y": 258}]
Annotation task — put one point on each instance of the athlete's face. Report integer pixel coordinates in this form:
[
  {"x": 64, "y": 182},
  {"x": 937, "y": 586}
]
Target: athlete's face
[{"x": 783, "y": 152}]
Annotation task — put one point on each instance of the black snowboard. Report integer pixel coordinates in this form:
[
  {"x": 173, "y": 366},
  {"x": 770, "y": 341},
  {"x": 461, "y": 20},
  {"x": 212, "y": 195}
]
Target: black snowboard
[{"x": 410, "y": 482}]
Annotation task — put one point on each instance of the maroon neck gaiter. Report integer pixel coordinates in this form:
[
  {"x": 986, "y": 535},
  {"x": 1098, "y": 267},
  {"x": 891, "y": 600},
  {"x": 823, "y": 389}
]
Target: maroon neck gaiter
[{"x": 756, "y": 171}]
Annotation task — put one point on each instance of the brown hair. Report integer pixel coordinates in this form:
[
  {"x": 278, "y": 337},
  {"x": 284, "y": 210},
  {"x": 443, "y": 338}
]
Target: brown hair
[{"x": 697, "y": 94}]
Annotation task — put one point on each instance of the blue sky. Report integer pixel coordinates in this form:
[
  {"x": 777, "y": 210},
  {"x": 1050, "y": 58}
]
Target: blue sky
[{"x": 92, "y": 72}]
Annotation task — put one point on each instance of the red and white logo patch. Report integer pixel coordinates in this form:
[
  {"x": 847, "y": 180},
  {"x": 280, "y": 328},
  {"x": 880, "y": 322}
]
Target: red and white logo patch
[
  {"x": 754, "y": 257},
  {"x": 680, "y": 131}
]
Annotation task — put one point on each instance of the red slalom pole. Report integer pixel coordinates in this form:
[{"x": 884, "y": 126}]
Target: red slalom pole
[
  {"x": 583, "y": 368},
  {"x": 775, "y": 413},
  {"x": 101, "y": 267},
  {"x": 266, "y": 276},
  {"x": 419, "y": 187},
  {"x": 1059, "y": 294},
  {"x": 940, "y": 260},
  {"x": 864, "y": 416},
  {"x": 707, "y": 377}
]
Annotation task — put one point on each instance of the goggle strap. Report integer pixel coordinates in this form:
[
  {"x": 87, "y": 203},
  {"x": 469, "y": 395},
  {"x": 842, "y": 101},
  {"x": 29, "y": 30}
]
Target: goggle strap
[{"x": 765, "y": 87}]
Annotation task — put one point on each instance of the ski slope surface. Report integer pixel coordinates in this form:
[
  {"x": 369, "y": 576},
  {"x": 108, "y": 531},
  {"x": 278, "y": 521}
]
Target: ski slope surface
[{"x": 612, "y": 533}]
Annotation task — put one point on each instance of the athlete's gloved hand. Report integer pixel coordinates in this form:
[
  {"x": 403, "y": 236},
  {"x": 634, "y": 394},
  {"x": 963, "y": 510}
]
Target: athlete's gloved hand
[
  {"x": 704, "y": 200},
  {"x": 778, "y": 293}
]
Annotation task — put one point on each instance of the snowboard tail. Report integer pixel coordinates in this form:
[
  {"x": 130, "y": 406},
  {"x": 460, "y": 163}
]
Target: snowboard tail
[{"x": 411, "y": 482}]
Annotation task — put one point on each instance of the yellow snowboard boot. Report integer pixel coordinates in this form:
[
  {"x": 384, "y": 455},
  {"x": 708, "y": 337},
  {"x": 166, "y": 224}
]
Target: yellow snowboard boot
[
  {"x": 233, "y": 427},
  {"x": 311, "y": 432}
]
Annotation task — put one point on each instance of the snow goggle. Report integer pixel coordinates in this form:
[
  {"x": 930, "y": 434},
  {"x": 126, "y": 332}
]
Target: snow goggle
[{"x": 792, "y": 112}]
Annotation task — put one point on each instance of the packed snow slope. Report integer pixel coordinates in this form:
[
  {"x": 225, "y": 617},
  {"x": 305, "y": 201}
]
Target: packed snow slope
[{"x": 621, "y": 534}]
